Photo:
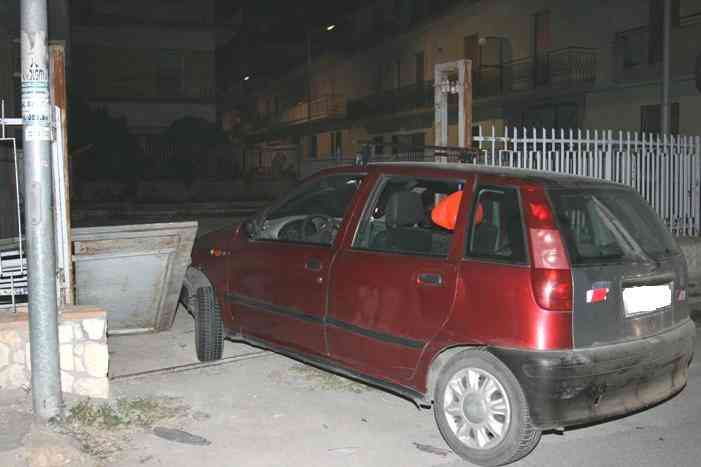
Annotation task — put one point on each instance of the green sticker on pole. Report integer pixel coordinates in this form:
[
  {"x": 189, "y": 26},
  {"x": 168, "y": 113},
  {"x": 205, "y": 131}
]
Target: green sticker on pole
[{"x": 36, "y": 108}]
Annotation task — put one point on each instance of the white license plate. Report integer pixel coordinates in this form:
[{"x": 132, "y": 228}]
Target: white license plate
[{"x": 646, "y": 298}]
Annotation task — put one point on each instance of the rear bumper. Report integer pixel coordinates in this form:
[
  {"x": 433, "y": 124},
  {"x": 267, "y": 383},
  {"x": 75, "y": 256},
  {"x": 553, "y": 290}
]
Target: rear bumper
[{"x": 565, "y": 388}]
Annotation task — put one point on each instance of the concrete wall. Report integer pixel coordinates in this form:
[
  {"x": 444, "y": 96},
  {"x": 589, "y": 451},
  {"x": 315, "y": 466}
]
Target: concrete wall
[
  {"x": 170, "y": 191},
  {"x": 83, "y": 351}
]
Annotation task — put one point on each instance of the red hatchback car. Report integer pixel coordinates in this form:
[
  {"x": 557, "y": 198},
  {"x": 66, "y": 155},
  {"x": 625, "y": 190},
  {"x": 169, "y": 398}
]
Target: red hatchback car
[{"x": 510, "y": 301}]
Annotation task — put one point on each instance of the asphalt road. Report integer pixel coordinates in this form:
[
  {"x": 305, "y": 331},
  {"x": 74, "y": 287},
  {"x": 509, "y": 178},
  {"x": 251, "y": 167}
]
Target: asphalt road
[{"x": 274, "y": 411}]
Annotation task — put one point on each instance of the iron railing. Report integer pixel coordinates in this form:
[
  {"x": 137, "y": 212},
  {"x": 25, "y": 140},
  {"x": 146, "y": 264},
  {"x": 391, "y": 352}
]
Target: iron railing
[
  {"x": 664, "y": 169},
  {"x": 404, "y": 99},
  {"x": 562, "y": 68},
  {"x": 331, "y": 106}
]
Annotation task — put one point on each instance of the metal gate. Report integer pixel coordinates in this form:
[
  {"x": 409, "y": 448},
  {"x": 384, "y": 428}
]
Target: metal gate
[
  {"x": 664, "y": 169},
  {"x": 13, "y": 262}
]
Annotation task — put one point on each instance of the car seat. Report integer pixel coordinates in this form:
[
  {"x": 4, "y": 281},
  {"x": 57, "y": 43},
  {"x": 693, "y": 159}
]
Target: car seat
[{"x": 403, "y": 213}]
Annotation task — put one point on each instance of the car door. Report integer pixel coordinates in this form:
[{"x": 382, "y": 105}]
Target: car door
[
  {"x": 278, "y": 282},
  {"x": 393, "y": 285}
]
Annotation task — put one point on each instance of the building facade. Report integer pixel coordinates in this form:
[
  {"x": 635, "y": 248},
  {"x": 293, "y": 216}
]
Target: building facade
[
  {"x": 536, "y": 63},
  {"x": 151, "y": 66}
]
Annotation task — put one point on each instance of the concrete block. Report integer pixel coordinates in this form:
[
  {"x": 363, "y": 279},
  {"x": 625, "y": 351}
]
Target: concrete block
[
  {"x": 65, "y": 352},
  {"x": 67, "y": 381},
  {"x": 65, "y": 333},
  {"x": 94, "y": 328},
  {"x": 92, "y": 387},
  {"x": 96, "y": 359}
]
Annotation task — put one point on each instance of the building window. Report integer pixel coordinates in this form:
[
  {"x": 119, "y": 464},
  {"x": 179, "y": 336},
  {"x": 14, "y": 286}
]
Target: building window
[
  {"x": 419, "y": 58},
  {"x": 379, "y": 142},
  {"x": 337, "y": 143},
  {"x": 651, "y": 118},
  {"x": 395, "y": 145},
  {"x": 170, "y": 72},
  {"x": 313, "y": 146}
]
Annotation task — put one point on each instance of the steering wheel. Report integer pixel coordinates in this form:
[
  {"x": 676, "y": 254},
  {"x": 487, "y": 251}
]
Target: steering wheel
[{"x": 318, "y": 227}]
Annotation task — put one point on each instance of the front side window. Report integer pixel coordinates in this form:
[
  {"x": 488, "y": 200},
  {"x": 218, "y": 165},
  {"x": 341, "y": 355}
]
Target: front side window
[
  {"x": 314, "y": 213},
  {"x": 497, "y": 227},
  {"x": 399, "y": 217}
]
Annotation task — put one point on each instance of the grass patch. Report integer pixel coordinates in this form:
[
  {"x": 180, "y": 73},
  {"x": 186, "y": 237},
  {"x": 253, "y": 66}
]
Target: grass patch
[
  {"x": 103, "y": 429},
  {"x": 123, "y": 413},
  {"x": 329, "y": 381}
]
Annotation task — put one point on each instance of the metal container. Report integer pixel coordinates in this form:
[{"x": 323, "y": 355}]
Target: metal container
[{"x": 134, "y": 272}]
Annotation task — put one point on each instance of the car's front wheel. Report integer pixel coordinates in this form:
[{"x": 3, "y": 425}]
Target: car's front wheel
[
  {"x": 209, "y": 328},
  {"x": 481, "y": 410}
]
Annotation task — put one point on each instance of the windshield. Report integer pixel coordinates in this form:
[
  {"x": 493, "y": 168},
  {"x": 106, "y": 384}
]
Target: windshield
[
  {"x": 610, "y": 224},
  {"x": 329, "y": 196}
]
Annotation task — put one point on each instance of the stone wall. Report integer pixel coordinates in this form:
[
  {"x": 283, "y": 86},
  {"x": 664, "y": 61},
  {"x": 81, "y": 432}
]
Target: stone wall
[{"x": 82, "y": 346}]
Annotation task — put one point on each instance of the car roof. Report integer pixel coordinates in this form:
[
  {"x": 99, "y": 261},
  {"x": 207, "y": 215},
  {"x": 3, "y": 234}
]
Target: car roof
[{"x": 526, "y": 176}]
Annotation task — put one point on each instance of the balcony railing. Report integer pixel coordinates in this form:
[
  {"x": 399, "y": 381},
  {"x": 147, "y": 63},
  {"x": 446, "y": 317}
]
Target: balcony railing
[
  {"x": 559, "y": 69},
  {"x": 404, "y": 99},
  {"x": 564, "y": 68},
  {"x": 324, "y": 107}
]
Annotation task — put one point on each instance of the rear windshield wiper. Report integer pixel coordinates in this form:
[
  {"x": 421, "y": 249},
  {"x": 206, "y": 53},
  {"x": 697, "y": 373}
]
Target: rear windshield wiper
[{"x": 624, "y": 239}]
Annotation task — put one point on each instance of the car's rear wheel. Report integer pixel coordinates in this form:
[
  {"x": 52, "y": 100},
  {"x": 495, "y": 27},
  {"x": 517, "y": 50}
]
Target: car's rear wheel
[
  {"x": 209, "y": 328},
  {"x": 481, "y": 411}
]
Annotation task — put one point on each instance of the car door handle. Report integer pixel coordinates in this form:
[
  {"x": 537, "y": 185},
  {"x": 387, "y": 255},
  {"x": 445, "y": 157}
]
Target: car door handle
[
  {"x": 429, "y": 278},
  {"x": 313, "y": 264}
]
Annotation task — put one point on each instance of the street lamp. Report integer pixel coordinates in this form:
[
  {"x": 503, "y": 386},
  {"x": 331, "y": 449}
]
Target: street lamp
[{"x": 246, "y": 78}]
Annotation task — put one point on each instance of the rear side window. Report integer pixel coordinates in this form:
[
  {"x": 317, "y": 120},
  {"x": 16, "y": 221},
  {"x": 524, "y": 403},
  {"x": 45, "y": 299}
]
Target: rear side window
[
  {"x": 497, "y": 227},
  {"x": 608, "y": 225},
  {"x": 399, "y": 220}
]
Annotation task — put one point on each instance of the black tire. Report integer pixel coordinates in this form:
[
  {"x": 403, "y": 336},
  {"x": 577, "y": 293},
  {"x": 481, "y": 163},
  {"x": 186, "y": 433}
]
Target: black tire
[
  {"x": 209, "y": 328},
  {"x": 520, "y": 437}
]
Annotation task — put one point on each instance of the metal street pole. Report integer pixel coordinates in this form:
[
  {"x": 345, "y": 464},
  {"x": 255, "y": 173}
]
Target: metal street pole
[
  {"x": 665, "y": 65},
  {"x": 309, "y": 90},
  {"x": 41, "y": 257}
]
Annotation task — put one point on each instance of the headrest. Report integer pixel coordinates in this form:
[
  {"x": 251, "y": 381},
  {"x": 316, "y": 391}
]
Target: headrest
[{"x": 404, "y": 209}]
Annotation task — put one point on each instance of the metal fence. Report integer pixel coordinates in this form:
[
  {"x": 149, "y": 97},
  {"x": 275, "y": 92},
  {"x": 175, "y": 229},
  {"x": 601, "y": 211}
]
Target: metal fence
[
  {"x": 664, "y": 169},
  {"x": 13, "y": 260}
]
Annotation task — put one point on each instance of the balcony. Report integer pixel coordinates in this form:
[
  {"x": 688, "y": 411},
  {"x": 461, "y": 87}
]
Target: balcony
[
  {"x": 404, "y": 99},
  {"x": 325, "y": 107},
  {"x": 568, "y": 68},
  {"x": 638, "y": 51}
]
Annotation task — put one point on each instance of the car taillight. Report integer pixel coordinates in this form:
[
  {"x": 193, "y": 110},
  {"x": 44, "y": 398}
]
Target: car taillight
[
  {"x": 681, "y": 295},
  {"x": 551, "y": 276},
  {"x": 552, "y": 288}
]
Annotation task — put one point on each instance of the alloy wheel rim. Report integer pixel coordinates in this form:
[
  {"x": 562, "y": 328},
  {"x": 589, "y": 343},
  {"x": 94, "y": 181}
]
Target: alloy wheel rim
[{"x": 477, "y": 408}]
